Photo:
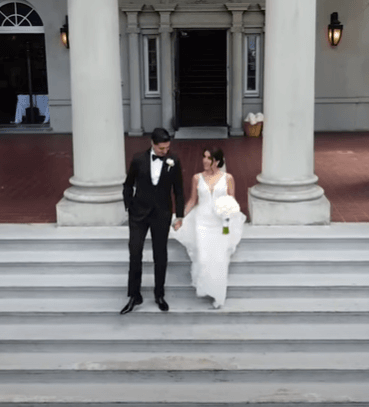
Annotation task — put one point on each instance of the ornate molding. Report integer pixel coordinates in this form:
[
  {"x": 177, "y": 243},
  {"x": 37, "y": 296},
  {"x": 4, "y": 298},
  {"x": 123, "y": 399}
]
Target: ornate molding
[
  {"x": 165, "y": 11},
  {"x": 237, "y": 6},
  {"x": 200, "y": 8},
  {"x": 132, "y": 20},
  {"x": 132, "y": 7},
  {"x": 164, "y": 7},
  {"x": 237, "y": 21}
]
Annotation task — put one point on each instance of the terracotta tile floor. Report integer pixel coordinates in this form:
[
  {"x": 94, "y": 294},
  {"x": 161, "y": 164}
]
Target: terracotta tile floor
[{"x": 35, "y": 169}]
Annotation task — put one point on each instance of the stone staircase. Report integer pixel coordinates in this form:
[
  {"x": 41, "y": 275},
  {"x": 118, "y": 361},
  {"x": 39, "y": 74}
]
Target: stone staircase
[{"x": 294, "y": 331}]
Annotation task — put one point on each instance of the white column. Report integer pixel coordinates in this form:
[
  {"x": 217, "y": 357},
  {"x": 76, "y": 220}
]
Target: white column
[
  {"x": 287, "y": 193},
  {"x": 237, "y": 69},
  {"x": 166, "y": 66},
  {"x": 134, "y": 74},
  {"x": 95, "y": 197}
]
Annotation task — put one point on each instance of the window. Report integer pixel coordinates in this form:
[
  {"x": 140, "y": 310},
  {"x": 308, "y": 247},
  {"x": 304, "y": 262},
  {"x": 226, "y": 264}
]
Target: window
[
  {"x": 17, "y": 14},
  {"x": 152, "y": 73},
  {"x": 252, "y": 65}
]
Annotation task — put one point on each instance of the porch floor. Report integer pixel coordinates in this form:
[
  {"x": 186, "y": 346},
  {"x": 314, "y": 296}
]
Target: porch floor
[{"x": 35, "y": 170}]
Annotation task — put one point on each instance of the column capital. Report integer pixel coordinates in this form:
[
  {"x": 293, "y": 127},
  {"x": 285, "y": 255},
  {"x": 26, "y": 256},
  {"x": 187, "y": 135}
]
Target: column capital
[
  {"x": 237, "y": 16},
  {"x": 237, "y": 6},
  {"x": 132, "y": 20},
  {"x": 164, "y": 7},
  {"x": 132, "y": 7},
  {"x": 165, "y": 11}
]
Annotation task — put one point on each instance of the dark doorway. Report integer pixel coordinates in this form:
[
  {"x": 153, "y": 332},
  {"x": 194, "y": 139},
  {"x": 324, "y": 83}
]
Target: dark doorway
[
  {"x": 22, "y": 72},
  {"x": 201, "y": 78}
]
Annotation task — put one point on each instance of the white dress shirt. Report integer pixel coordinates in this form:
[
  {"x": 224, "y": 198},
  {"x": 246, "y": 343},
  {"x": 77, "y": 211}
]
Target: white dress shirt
[{"x": 156, "y": 167}]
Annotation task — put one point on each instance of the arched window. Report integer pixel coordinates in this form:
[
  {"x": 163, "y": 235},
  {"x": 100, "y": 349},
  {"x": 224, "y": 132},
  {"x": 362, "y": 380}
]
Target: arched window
[{"x": 19, "y": 17}]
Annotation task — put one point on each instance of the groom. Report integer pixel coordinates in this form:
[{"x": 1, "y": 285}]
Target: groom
[{"x": 153, "y": 174}]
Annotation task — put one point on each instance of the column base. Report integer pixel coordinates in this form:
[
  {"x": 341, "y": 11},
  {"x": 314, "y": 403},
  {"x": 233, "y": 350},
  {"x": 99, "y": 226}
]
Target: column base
[
  {"x": 236, "y": 132},
  {"x": 314, "y": 212},
  {"x": 135, "y": 133},
  {"x": 71, "y": 213}
]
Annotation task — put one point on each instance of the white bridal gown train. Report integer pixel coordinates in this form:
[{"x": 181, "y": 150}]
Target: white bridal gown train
[{"x": 209, "y": 249}]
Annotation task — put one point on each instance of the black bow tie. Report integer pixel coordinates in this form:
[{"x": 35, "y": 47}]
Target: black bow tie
[{"x": 154, "y": 157}]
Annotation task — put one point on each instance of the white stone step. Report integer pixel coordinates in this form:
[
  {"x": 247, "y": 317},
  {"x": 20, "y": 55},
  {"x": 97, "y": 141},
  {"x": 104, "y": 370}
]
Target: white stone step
[
  {"x": 179, "y": 254},
  {"x": 337, "y": 232},
  {"x": 113, "y": 303},
  {"x": 214, "y": 394},
  {"x": 180, "y": 275},
  {"x": 294, "y": 329},
  {"x": 312, "y": 268},
  {"x": 47, "y": 232},
  {"x": 182, "y": 361},
  {"x": 126, "y": 330}
]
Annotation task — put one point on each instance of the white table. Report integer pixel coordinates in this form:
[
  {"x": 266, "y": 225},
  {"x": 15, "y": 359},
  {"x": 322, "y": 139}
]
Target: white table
[{"x": 40, "y": 101}]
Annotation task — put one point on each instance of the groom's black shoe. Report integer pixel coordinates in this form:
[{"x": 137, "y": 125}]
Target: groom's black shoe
[
  {"x": 163, "y": 305},
  {"x": 135, "y": 300}
]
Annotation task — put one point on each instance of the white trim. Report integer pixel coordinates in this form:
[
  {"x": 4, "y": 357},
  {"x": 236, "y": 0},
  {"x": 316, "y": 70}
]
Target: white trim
[
  {"x": 256, "y": 92},
  {"x": 22, "y": 30},
  {"x": 149, "y": 93}
]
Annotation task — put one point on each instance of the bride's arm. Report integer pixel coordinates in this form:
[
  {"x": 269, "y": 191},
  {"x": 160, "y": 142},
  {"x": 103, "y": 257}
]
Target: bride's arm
[
  {"x": 194, "y": 197},
  {"x": 231, "y": 189}
]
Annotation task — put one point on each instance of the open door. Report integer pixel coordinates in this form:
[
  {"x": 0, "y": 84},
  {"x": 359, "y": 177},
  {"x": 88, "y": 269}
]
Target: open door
[{"x": 201, "y": 78}]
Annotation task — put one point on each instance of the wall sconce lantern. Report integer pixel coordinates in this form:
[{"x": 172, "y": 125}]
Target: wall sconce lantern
[
  {"x": 334, "y": 30},
  {"x": 64, "y": 33}
]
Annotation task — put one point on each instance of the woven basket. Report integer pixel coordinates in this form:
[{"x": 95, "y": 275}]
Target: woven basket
[{"x": 253, "y": 130}]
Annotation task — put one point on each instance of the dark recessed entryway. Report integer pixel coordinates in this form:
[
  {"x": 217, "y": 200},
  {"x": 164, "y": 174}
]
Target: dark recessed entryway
[
  {"x": 201, "y": 78},
  {"x": 22, "y": 72}
]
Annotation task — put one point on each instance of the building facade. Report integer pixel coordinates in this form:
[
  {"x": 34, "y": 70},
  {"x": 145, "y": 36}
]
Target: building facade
[
  {"x": 183, "y": 60},
  {"x": 134, "y": 66}
]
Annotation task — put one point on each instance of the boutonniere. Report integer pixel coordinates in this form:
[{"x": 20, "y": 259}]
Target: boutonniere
[{"x": 170, "y": 163}]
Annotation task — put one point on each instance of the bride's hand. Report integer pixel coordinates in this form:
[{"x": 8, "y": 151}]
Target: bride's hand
[{"x": 177, "y": 224}]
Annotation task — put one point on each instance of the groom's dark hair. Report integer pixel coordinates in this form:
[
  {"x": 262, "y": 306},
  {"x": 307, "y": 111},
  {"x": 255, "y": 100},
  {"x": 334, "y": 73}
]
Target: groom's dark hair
[{"x": 160, "y": 135}]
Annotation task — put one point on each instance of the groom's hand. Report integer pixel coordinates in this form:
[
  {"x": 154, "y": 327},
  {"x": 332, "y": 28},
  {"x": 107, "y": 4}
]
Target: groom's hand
[{"x": 177, "y": 224}]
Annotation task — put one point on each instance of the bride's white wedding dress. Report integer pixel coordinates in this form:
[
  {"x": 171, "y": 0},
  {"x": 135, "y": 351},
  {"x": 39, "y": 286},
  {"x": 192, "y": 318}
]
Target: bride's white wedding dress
[{"x": 209, "y": 249}]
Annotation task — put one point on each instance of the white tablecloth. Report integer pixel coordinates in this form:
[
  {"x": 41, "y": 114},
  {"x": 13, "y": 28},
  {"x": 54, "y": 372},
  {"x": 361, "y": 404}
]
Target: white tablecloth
[{"x": 40, "y": 101}]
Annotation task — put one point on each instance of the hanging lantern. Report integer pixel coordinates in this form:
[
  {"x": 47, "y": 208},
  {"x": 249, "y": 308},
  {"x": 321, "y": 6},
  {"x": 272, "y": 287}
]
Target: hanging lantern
[
  {"x": 64, "y": 33},
  {"x": 335, "y": 29}
]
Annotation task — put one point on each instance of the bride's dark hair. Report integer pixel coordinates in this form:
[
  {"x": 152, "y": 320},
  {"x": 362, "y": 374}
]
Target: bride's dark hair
[{"x": 216, "y": 154}]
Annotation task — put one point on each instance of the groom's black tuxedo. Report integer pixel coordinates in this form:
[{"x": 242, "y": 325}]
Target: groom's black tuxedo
[
  {"x": 150, "y": 207},
  {"x": 149, "y": 197}
]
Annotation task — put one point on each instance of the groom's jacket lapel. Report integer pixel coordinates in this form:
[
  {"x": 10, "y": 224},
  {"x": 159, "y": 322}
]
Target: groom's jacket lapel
[
  {"x": 147, "y": 164},
  {"x": 163, "y": 170}
]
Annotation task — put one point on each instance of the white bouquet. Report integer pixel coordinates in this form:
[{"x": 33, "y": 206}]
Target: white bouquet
[{"x": 225, "y": 207}]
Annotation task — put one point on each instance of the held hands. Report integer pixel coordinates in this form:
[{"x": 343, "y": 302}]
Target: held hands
[{"x": 177, "y": 224}]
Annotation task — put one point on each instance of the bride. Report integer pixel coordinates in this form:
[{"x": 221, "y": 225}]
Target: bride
[{"x": 202, "y": 229}]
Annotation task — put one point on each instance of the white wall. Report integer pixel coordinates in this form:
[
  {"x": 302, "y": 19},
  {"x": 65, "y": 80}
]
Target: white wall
[{"x": 342, "y": 72}]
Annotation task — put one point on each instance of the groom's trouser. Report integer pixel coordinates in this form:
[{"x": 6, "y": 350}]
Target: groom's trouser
[{"x": 159, "y": 228}]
